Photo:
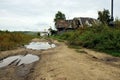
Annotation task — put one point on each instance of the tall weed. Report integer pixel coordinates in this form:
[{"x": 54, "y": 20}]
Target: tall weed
[{"x": 11, "y": 40}]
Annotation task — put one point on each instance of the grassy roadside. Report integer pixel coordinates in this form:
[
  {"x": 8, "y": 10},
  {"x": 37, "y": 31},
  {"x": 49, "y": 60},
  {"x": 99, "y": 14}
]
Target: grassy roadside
[
  {"x": 11, "y": 40},
  {"x": 100, "y": 37}
]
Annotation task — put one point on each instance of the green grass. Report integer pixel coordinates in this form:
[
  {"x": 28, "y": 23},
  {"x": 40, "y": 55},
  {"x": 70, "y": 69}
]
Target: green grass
[
  {"x": 56, "y": 37},
  {"x": 81, "y": 51},
  {"x": 113, "y": 53},
  {"x": 75, "y": 47}
]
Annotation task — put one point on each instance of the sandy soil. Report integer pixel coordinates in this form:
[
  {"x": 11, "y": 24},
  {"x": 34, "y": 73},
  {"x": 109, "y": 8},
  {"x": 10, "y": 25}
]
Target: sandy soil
[{"x": 63, "y": 63}]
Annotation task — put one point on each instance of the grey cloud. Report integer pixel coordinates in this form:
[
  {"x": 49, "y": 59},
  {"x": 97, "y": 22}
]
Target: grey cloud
[{"x": 42, "y": 11}]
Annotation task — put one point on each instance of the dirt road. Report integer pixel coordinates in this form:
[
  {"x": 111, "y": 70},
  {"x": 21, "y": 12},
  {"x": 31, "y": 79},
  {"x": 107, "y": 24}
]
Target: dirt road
[{"x": 63, "y": 63}]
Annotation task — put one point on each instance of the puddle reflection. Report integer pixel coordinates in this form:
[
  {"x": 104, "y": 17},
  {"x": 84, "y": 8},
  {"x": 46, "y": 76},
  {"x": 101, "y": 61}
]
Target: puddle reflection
[
  {"x": 40, "y": 45},
  {"x": 18, "y": 60}
]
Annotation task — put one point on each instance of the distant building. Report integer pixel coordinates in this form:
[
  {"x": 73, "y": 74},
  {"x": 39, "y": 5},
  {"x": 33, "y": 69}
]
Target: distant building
[
  {"x": 44, "y": 33},
  {"x": 77, "y": 22}
]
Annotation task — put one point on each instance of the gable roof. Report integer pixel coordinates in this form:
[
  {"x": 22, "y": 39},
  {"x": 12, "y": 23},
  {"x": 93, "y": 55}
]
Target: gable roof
[{"x": 83, "y": 20}]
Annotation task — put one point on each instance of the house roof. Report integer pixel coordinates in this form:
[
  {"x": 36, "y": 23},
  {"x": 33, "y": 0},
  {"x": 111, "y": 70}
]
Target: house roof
[{"x": 86, "y": 19}]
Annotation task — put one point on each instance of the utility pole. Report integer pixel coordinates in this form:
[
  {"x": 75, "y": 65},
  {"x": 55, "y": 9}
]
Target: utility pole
[{"x": 112, "y": 18}]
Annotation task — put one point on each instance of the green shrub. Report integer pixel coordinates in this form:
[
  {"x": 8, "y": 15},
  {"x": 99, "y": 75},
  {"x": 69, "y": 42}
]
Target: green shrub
[{"x": 99, "y": 37}]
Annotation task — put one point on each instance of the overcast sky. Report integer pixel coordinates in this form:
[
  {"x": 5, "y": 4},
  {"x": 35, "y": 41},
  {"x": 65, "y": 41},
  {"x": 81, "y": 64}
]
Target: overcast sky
[{"x": 38, "y": 15}]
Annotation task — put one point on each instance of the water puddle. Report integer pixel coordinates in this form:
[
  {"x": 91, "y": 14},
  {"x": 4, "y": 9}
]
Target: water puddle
[
  {"x": 40, "y": 45},
  {"x": 29, "y": 58},
  {"x": 19, "y": 60}
]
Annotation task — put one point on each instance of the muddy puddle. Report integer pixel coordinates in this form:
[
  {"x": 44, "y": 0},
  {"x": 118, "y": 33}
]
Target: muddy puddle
[
  {"x": 40, "y": 45},
  {"x": 19, "y": 60}
]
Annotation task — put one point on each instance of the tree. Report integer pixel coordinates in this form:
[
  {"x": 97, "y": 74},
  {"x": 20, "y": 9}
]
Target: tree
[
  {"x": 104, "y": 16},
  {"x": 52, "y": 32},
  {"x": 59, "y": 16},
  {"x": 117, "y": 22},
  {"x": 38, "y": 34}
]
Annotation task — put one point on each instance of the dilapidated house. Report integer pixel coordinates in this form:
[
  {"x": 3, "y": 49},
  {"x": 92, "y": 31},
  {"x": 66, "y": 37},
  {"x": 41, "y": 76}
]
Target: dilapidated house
[{"x": 77, "y": 22}]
